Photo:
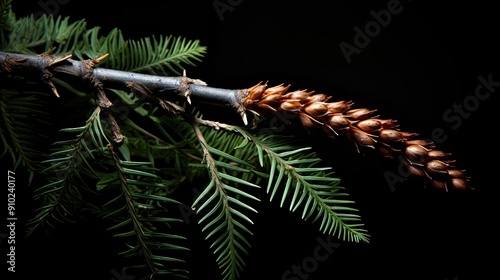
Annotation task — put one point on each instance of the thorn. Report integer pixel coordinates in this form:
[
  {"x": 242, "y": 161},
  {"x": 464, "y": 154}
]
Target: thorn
[
  {"x": 101, "y": 58},
  {"x": 60, "y": 59},
  {"x": 244, "y": 117},
  {"x": 187, "y": 93},
  {"x": 53, "y": 87}
]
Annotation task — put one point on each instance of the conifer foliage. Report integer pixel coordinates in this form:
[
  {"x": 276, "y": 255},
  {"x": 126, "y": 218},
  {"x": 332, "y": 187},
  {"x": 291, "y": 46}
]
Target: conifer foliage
[{"x": 124, "y": 146}]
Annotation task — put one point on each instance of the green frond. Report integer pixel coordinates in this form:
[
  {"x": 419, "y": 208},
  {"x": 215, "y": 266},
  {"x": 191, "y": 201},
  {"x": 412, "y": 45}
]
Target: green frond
[
  {"x": 70, "y": 169},
  {"x": 142, "y": 218},
  {"x": 163, "y": 55},
  {"x": 24, "y": 125},
  {"x": 157, "y": 55},
  {"x": 294, "y": 175},
  {"x": 34, "y": 36},
  {"x": 224, "y": 205}
]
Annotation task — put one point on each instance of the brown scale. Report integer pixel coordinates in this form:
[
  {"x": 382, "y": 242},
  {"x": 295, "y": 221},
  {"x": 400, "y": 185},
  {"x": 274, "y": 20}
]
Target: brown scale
[{"x": 363, "y": 128}]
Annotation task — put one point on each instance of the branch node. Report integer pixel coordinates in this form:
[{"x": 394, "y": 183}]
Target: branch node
[{"x": 184, "y": 88}]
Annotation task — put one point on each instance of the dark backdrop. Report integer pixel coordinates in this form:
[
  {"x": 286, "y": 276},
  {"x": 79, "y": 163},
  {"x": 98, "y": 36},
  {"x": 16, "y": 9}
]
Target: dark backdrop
[{"x": 423, "y": 62}]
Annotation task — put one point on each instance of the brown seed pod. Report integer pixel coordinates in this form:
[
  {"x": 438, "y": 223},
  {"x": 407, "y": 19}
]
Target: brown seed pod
[
  {"x": 279, "y": 89},
  {"x": 386, "y": 151},
  {"x": 388, "y": 123},
  {"x": 319, "y": 97},
  {"x": 363, "y": 138},
  {"x": 306, "y": 120},
  {"x": 271, "y": 99},
  {"x": 248, "y": 103},
  {"x": 424, "y": 143},
  {"x": 256, "y": 91},
  {"x": 456, "y": 173},
  {"x": 438, "y": 184},
  {"x": 300, "y": 95},
  {"x": 370, "y": 125},
  {"x": 390, "y": 136},
  {"x": 316, "y": 109},
  {"x": 437, "y": 154},
  {"x": 359, "y": 114},
  {"x": 436, "y": 166},
  {"x": 416, "y": 171},
  {"x": 338, "y": 107},
  {"x": 291, "y": 105},
  {"x": 416, "y": 153},
  {"x": 408, "y": 135},
  {"x": 338, "y": 122},
  {"x": 459, "y": 183}
]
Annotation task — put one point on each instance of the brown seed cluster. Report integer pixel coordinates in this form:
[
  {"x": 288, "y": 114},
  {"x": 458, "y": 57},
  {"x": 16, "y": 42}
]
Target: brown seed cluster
[{"x": 363, "y": 128}]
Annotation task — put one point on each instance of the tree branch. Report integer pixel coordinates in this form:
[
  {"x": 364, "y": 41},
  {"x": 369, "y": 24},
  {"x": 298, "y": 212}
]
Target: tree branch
[
  {"x": 313, "y": 111},
  {"x": 45, "y": 67}
]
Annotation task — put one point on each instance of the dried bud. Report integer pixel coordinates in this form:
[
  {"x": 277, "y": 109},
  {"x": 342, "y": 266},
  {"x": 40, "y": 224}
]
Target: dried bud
[
  {"x": 416, "y": 171},
  {"x": 338, "y": 122},
  {"x": 408, "y": 135},
  {"x": 424, "y": 143},
  {"x": 279, "y": 89},
  {"x": 316, "y": 109},
  {"x": 306, "y": 120},
  {"x": 455, "y": 173},
  {"x": 338, "y": 107},
  {"x": 370, "y": 125},
  {"x": 436, "y": 166},
  {"x": 300, "y": 95},
  {"x": 441, "y": 185},
  {"x": 291, "y": 105},
  {"x": 386, "y": 151},
  {"x": 437, "y": 154},
  {"x": 363, "y": 138},
  {"x": 416, "y": 153},
  {"x": 359, "y": 114},
  {"x": 271, "y": 99},
  {"x": 256, "y": 91},
  {"x": 320, "y": 97},
  {"x": 459, "y": 183},
  {"x": 388, "y": 123},
  {"x": 390, "y": 136}
]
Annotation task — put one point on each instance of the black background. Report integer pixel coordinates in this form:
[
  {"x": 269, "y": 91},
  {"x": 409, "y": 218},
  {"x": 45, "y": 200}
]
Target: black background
[{"x": 426, "y": 59}]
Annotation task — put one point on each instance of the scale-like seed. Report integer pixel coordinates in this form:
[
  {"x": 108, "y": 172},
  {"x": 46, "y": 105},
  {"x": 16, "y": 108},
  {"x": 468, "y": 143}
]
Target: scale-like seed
[
  {"x": 437, "y": 154},
  {"x": 416, "y": 153},
  {"x": 338, "y": 107},
  {"x": 436, "y": 166},
  {"x": 361, "y": 127},
  {"x": 359, "y": 114},
  {"x": 459, "y": 183},
  {"x": 390, "y": 136},
  {"x": 291, "y": 106},
  {"x": 416, "y": 171},
  {"x": 370, "y": 125},
  {"x": 316, "y": 109},
  {"x": 338, "y": 122},
  {"x": 363, "y": 138}
]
